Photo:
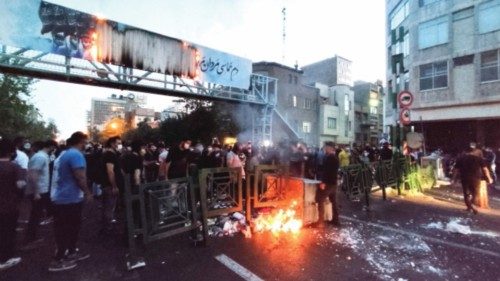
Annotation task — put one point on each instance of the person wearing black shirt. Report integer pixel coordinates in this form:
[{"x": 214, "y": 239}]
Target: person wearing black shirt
[
  {"x": 12, "y": 182},
  {"x": 472, "y": 169},
  {"x": 328, "y": 187},
  {"x": 385, "y": 152},
  {"x": 133, "y": 163},
  {"x": 113, "y": 183},
  {"x": 177, "y": 160},
  {"x": 151, "y": 164}
]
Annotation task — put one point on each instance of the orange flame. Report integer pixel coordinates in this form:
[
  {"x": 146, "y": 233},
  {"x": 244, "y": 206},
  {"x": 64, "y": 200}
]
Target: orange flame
[
  {"x": 281, "y": 221},
  {"x": 93, "y": 50}
]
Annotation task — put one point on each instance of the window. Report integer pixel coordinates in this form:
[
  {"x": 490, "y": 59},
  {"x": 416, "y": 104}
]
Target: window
[
  {"x": 295, "y": 79},
  {"x": 434, "y": 75},
  {"x": 426, "y": 2},
  {"x": 346, "y": 128},
  {"x": 347, "y": 103},
  {"x": 332, "y": 123},
  {"x": 406, "y": 44},
  {"x": 307, "y": 103},
  {"x": 306, "y": 127},
  {"x": 463, "y": 60},
  {"x": 399, "y": 14},
  {"x": 488, "y": 16},
  {"x": 290, "y": 78},
  {"x": 350, "y": 126},
  {"x": 463, "y": 14},
  {"x": 406, "y": 80},
  {"x": 433, "y": 32},
  {"x": 490, "y": 66},
  {"x": 373, "y": 110},
  {"x": 294, "y": 101}
]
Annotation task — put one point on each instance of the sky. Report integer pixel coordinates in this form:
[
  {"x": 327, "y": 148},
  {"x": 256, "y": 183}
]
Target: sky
[{"x": 315, "y": 30}]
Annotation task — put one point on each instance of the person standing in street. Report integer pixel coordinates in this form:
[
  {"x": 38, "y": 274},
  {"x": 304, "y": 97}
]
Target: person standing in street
[
  {"x": 21, "y": 157},
  {"x": 177, "y": 161},
  {"x": 471, "y": 169},
  {"x": 11, "y": 184},
  {"x": 70, "y": 190},
  {"x": 328, "y": 186},
  {"x": 385, "y": 152},
  {"x": 38, "y": 189},
  {"x": 113, "y": 182},
  {"x": 344, "y": 157}
]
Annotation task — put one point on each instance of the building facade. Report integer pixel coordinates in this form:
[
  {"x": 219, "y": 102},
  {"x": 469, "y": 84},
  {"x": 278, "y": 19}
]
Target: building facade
[
  {"x": 447, "y": 53},
  {"x": 336, "y": 114},
  {"x": 126, "y": 107},
  {"x": 296, "y": 114},
  {"x": 330, "y": 72},
  {"x": 368, "y": 113}
]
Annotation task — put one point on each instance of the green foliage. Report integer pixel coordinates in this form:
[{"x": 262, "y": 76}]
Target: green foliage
[
  {"x": 420, "y": 179},
  {"x": 204, "y": 122},
  {"x": 19, "y": 117}
]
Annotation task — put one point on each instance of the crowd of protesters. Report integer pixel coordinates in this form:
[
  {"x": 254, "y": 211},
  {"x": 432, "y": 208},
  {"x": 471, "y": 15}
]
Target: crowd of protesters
[{"x": 57, "y": 179}]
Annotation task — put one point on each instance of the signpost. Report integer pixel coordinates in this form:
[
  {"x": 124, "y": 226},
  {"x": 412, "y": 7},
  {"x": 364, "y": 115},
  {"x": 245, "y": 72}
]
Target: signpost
[
  {"x": 405, "y": 100},
  {"x": 404, "y": 116}
]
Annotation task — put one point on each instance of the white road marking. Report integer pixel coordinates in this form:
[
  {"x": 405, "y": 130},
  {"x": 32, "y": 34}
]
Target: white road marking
[
  {"x": 430, "y": 239},
  {"x": 237, "y": 268}
]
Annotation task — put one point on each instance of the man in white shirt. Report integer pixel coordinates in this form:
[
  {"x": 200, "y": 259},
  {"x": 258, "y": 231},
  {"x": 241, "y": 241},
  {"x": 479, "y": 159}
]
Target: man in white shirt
[{"x": 22, "y": 158}]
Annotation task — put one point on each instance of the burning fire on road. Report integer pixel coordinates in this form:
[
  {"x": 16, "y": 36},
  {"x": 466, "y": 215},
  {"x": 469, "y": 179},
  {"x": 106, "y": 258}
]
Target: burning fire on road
[{"x": 279, "y": 221}]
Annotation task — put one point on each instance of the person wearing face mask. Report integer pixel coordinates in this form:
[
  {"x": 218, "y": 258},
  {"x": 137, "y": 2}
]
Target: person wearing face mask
[
  {"x": 151, "y": 163},
  {"x": 38, "y": 189},
  {"x": 162, "y": 157},
  {"x": 177, "y": 160},
  {"x": 113, "y": 182},
  {"x": 11, "y": 184}
]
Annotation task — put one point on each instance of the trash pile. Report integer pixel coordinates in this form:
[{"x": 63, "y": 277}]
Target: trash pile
[{"x": 229, "y": 225}]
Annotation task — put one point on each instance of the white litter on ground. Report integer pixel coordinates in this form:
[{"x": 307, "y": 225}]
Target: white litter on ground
[
  {"x": 389, "y": 253},
  {"x": 460, "y": 226}
]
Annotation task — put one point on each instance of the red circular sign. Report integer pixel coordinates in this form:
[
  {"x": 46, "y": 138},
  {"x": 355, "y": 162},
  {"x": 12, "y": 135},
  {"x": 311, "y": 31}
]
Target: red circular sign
[
  {"x": 404, "y": 116},
  {"x": 405, "y": 99}
]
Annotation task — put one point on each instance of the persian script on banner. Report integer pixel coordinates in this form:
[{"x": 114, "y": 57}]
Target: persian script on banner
[{"x": 50, "y": 28}]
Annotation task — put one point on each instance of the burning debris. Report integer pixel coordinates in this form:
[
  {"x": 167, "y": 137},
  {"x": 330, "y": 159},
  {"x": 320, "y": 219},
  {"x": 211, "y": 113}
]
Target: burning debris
[
  {"x": 279, "y": 221},
  {"x": 229, "y": 226},
  {"x": 275, "y": 221}
]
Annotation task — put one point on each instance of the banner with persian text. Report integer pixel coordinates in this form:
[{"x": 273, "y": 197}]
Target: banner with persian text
[{"x": 46, "y": 27}]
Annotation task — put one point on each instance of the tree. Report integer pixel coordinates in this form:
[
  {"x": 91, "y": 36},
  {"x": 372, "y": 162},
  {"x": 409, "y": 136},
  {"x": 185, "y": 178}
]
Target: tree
[
  {"x": 204, "y": 121},
  {"x": 19, "y": 117}
]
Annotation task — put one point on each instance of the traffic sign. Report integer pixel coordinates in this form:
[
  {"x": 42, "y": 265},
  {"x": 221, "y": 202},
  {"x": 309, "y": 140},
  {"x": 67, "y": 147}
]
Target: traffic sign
[
  {"x": 405, "y": 99},
  {"x": 404, "y": 116}
]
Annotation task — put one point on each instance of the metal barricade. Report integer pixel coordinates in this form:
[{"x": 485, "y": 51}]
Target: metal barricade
[
  {"x": 159, "y": 210},
  {"x": 221, "y": 191},
  {"x": 391, "y": 173},
  {"x": 266, "y": 187},
  {"x": 357, "y": 180}
]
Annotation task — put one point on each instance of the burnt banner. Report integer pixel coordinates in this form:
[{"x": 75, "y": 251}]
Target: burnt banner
[{"x": 47, "y": 27}]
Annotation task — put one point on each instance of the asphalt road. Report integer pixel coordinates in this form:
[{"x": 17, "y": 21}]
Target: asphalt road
[{"x": 403, "y": 238}]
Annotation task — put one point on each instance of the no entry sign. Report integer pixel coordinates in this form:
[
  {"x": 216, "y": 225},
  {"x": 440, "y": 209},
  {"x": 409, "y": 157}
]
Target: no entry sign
[{"x": 405, "y": 99}]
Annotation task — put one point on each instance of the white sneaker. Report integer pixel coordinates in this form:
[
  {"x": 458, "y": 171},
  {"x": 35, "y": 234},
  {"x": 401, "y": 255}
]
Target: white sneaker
[{"x": 10, "y": 263}]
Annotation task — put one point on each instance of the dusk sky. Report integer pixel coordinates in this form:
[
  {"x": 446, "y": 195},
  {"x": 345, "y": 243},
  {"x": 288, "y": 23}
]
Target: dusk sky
[{"x": 253, "y": 29}]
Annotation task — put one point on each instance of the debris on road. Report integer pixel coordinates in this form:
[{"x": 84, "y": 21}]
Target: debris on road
[{"x": 460, "y": 226}]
